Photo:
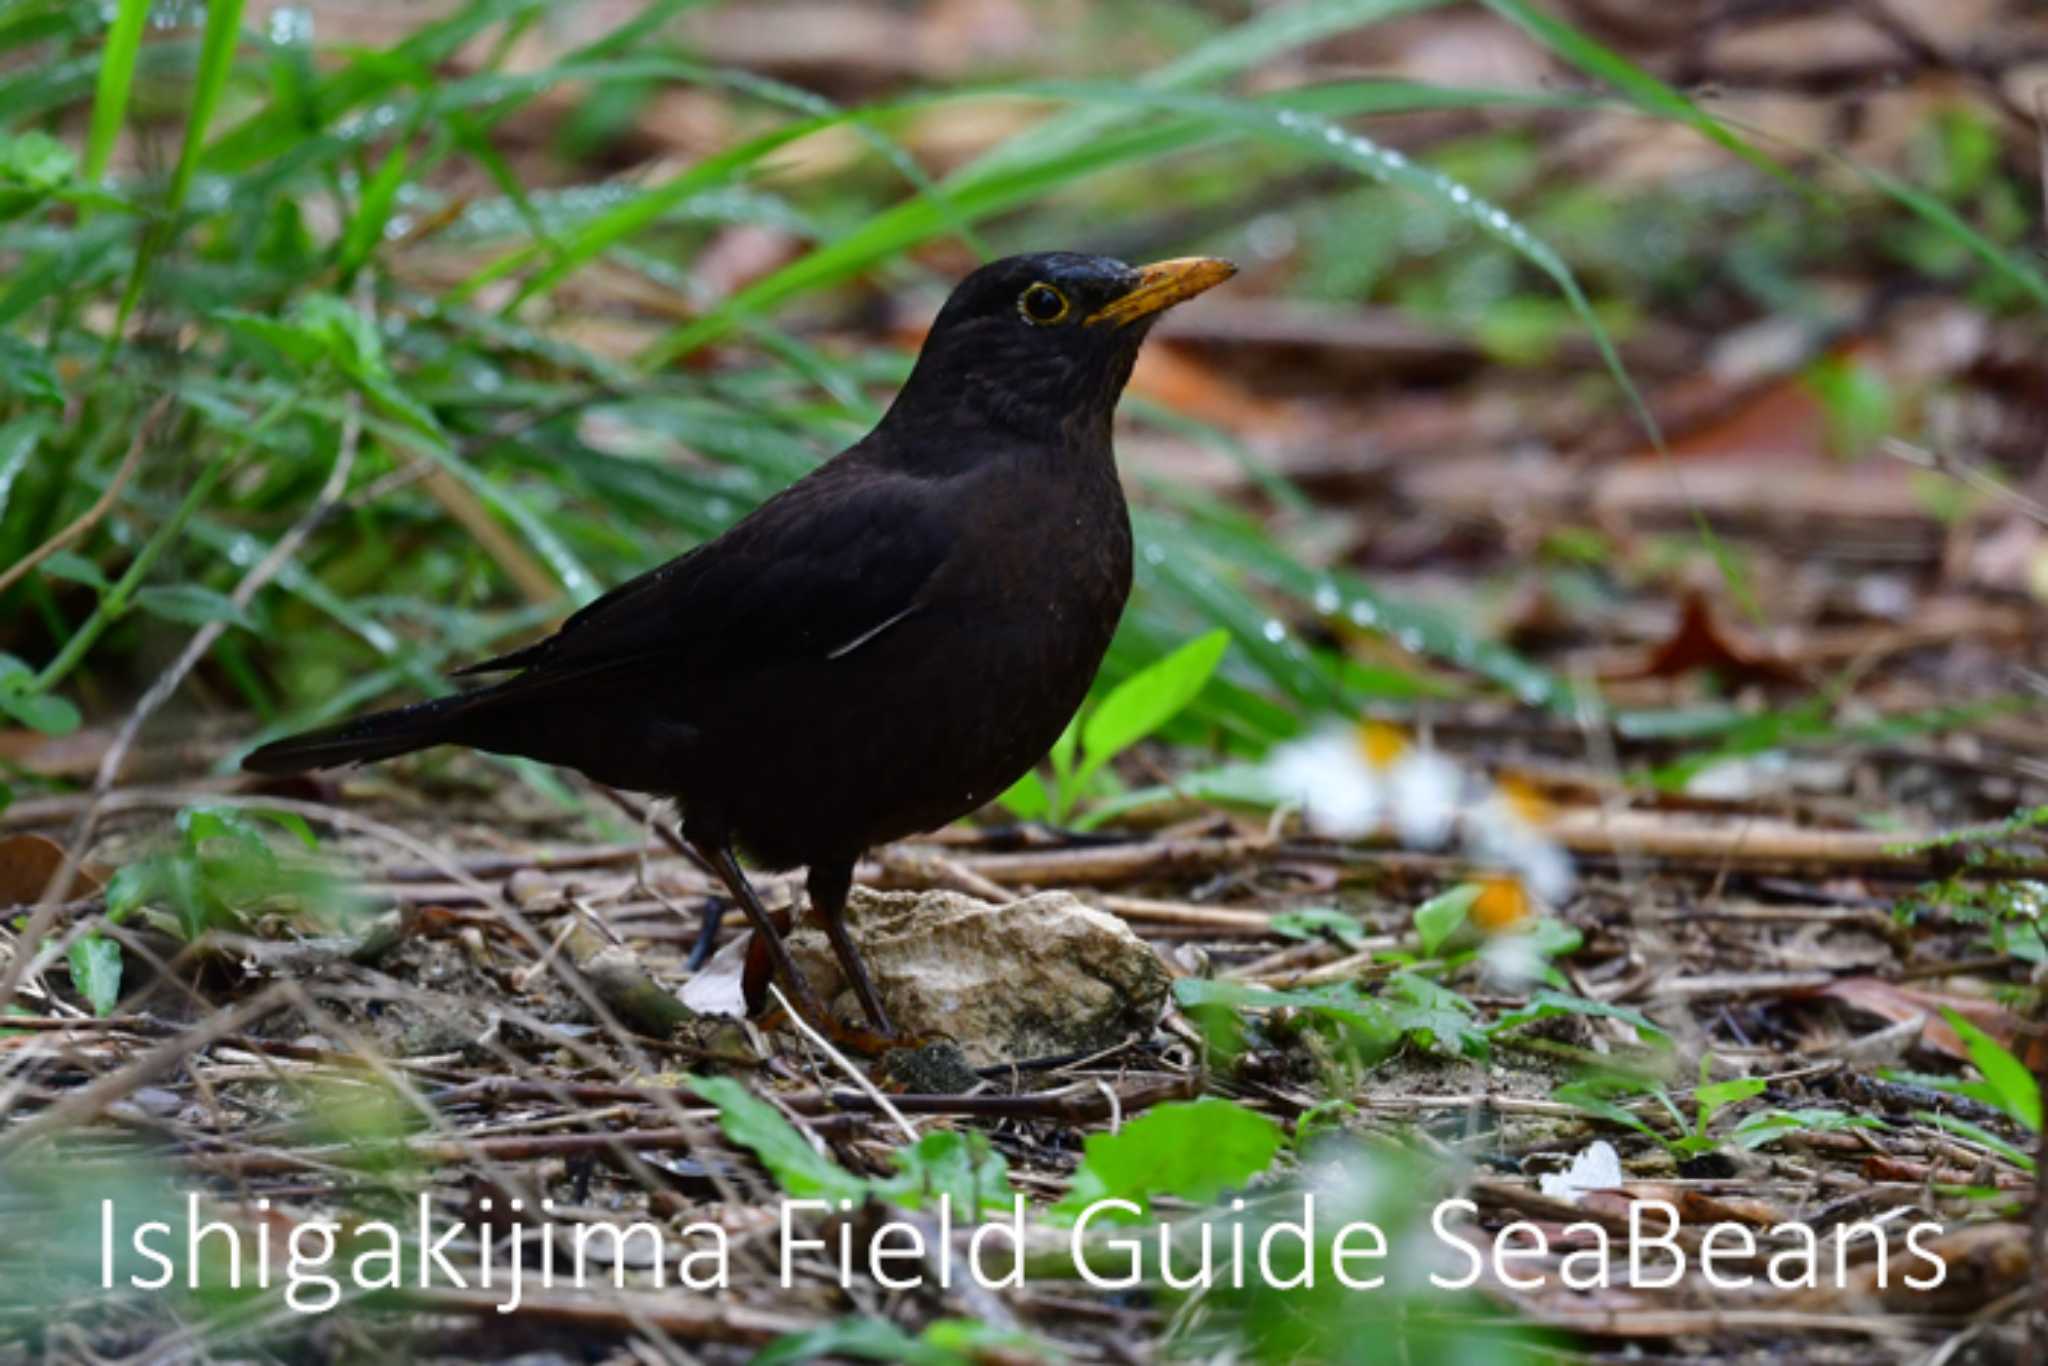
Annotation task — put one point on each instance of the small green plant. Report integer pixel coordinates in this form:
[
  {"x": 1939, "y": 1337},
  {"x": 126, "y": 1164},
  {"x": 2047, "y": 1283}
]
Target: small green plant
[
  {"x": 1858, "y": 403},
  {"x": 220, "y": 873},
  {"x": 2007, "y": 1087},
  {"x": 1440, "y": 917},
  {"x": 2011, "y": 909},
  {"x": 1601, "y": 1096},
  {"x": 961, "y": 1165},
  {"x": 1134, "y": 709},
  {"x": 1367, "y": 1028},
  {"x": 1768, "y": 1126},
  {"x": 1195, "y": 1150}
]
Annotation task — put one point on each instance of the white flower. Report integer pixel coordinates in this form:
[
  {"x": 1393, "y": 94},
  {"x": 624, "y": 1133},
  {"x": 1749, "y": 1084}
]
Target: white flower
[
  {"x": 1339, "y": 792},
  {"x": 1424, "y": 789},
  {"x": 1596, "y": 1169},
  {"x": 1499, "y": 834},
  {"x": 1512, "y": 962}
]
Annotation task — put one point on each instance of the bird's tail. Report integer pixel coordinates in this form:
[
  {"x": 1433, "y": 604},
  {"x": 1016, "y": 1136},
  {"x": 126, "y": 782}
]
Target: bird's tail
[{"x": 380, "y": 735}]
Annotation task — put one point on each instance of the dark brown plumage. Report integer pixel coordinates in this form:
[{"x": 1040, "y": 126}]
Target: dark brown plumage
[{"x": 882, "y": 647}]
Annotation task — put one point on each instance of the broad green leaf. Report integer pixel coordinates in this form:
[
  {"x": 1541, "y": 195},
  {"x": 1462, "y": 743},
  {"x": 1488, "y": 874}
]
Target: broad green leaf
[
  {"x": 1547, "y": 1004},
  {"x": 960, "y": 1164},
  {"x": 45, "y": 712},
  {"x": 35, "y": 160},
  {"x": 1148, "y": 699},
  {"x": 96, "y": 971},
  {"x": 71, "y": 566},
  {"x": 944, "y": 1342},
  {"x": 1026, "y": 798},
  {"x": 26, "y": 371},
  {"x": 1195, "y": 1150},
  {"x": 1368, "y": 1024},
  {"x": 2019, "y": 1095},
  {"x": 129, "y": 890},
  {"x": 1314, "y": 922},
  {"x": 801, "y": 1170},
  {"x": 1438, "y": 918},
  {"x": 1716, "y": 1096},
  {"x": 1595, "y": 1098},
  {"x": 191, "y": 604},
  {"x": 863, "y": 1339},
  {"x": 1231, "y": 785},
  {"x": 1769, "y": 1126},
  {"x": 1433, "y": 1015}
]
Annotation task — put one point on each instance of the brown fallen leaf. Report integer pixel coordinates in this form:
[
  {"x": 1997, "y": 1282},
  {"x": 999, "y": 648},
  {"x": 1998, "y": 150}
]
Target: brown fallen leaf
[
  {"x": 28, "y": 863},
  {"x": 1891, "y": 1001},
  {"x": 1697, "y": 1207},
  {"x": 1700, "y": 642}
]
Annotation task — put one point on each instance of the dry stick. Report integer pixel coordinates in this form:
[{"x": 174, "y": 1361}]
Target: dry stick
[
  {"x": 145, "y": 798},
  {"x": 86, "y": 1103},
  {"x": 859, "y": 1077},
  {"x": 1114, "y": 863},
  {"x": 931, "y": 869},
  {"x": 92, "y": 516}
]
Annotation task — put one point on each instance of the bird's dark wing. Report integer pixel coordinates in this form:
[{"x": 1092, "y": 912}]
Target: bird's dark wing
[{"x": 813, "y": 573}]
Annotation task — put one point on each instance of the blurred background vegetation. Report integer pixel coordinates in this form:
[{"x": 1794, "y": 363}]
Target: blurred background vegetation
[{"x": 364, "y": 339}]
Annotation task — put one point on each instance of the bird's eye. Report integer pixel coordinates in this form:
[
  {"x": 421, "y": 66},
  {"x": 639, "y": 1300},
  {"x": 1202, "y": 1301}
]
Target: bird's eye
[{"x": 1042, "y": 304}]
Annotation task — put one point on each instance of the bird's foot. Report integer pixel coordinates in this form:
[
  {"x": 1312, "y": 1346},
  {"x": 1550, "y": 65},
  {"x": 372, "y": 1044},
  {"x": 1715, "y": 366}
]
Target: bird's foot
[{"x": 852, "y": 1038}]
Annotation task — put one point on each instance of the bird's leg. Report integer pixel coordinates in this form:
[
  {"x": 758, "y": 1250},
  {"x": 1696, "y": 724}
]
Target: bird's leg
[
  {"x": 828, "y": 884},
  {"x": 707, "y": 933},
  {"x": 719, "y": 856}
]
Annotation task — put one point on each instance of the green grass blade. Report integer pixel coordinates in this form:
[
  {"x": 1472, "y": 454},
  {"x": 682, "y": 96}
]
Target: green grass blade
[
  {"x": 117, "y": 76},
  {"x": 2011, "y": 265},
  {"x": 216, "y": 64},
  {"x": 1602, "y": 62},
  {"x": 274, "y": 131},
  {"x": 1277, "y": 30},
  {"x": 983, "y": 189},
  {"x": 634, "y": 215},
  {"x": 373, "y": 211}
]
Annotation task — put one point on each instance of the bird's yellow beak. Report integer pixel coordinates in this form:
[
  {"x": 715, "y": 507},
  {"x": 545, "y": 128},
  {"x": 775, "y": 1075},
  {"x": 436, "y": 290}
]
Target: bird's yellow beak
[{"x": 1162, "y": 285}]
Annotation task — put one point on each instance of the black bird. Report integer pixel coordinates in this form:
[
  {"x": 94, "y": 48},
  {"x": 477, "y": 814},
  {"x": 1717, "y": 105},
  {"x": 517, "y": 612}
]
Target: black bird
[{"x": 880, "y": 648}]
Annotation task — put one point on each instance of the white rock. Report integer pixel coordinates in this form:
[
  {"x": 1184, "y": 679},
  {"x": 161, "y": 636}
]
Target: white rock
[{"x": 1043, "y": 976}]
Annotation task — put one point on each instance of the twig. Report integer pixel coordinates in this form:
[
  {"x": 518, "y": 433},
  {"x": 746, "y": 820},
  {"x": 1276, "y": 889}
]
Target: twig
[
  {"x": 88, "y": 1101},
  {"x": 881, "y": 1102}
]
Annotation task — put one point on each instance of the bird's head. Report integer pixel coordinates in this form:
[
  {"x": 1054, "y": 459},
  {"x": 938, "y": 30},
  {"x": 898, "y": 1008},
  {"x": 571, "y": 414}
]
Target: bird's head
[{"x": 1041, "y": 345}]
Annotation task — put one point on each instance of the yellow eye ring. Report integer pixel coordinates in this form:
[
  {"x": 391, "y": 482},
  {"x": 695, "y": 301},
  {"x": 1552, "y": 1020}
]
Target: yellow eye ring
[{"x": 1042, "y": 305}]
